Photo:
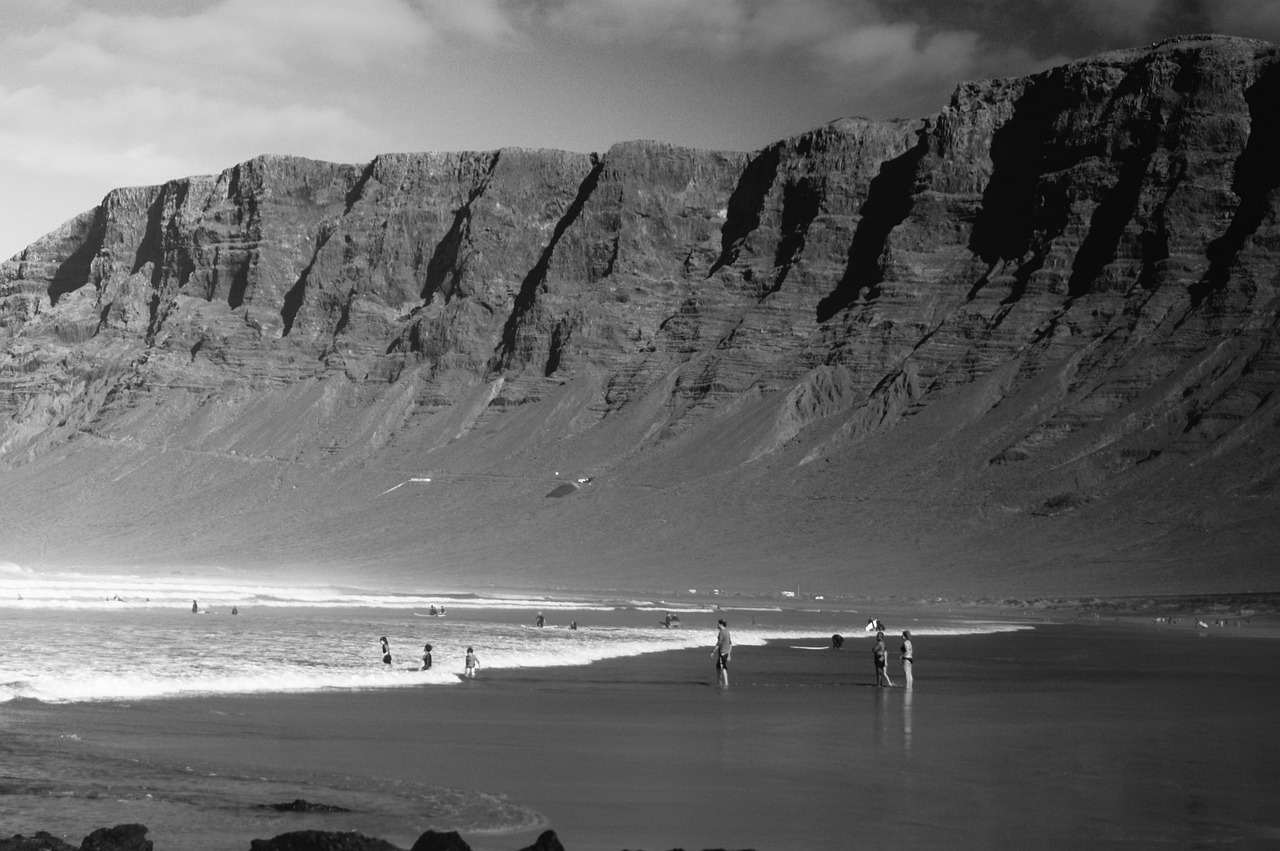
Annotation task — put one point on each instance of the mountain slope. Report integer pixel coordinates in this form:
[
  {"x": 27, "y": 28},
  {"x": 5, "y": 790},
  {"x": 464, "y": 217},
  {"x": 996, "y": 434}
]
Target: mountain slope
[{"x": 1024, "y": 346}]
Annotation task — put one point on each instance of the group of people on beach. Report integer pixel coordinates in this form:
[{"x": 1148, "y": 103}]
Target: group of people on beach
[
  {"x": 723, "y": 649},
  {"x": 472, "y": 662},
  {"x": 906, "y": 653}
]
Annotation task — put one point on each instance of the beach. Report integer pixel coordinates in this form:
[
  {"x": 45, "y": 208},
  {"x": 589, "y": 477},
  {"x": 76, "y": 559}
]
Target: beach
[{"x": 1114, "y": 733}]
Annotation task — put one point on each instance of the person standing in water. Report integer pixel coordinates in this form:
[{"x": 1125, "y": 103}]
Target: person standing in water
[
  {"x": 907, "y": 652},
  {"x": 881, "y": 655},
  {"x": 195, "y": 607},
  {"x": 722, "y": 651},
  {"x": 473, "y": 662},
  {"x": 426, "y": 657},
  {"x": 386, "y": 651}
]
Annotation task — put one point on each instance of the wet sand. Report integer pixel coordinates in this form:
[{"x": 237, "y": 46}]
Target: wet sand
[{"x": 1106, "y": 733}]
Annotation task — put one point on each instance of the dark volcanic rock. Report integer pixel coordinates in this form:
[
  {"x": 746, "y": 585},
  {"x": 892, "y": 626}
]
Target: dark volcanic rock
[
  {"x": 41, "y": 841},
  {"x": 321, "y": 840},
  {"x": 122, "y": 837},
  {"x": 444, "y": 840},
  {"x": 1037, "y": 329},
  {"x": 547, "y": 841},
  {"x": 303, "y": 806}
]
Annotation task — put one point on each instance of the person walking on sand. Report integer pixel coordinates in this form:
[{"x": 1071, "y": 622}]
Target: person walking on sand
[
  {"x": 386, "y": 651},
  {"x": 881, "y": 655},
  {"x": 426, "y": 657},
  {"x": 473, "y": 662},
  {"x": 722, "y": 651},
  {"x": 907, "y": 652}
]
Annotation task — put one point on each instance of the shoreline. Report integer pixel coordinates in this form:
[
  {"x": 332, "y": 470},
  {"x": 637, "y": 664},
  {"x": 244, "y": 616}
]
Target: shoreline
[{"x": 644, "y": 752}]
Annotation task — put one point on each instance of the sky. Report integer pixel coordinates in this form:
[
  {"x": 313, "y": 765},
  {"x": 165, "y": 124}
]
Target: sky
[{"x": 100, "y": 94}]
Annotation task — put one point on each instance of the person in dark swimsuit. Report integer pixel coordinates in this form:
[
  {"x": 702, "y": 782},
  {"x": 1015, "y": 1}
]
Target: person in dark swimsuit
[
  {"x": 386, "y": 651},
  {"x": 881, "y": 654}
]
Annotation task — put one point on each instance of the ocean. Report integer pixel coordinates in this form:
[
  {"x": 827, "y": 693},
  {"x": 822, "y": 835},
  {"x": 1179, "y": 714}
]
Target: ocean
[
  {"x": 112, "y": 691},
  {"x": 72, "y": 638}
]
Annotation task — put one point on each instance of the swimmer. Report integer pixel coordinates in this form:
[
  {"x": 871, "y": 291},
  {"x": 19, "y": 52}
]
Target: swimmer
[
  {"x": 426, "y": 657},
  {"x": 386, "y": 651}
]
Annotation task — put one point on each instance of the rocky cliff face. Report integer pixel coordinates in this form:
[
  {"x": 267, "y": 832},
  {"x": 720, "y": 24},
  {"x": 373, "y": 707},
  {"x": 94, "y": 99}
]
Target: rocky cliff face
[{"x": 1029, "y": 343}]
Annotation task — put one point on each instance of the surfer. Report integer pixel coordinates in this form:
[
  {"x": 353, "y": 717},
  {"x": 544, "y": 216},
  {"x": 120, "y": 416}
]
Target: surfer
[
  {"x": 426, "y": 657},
  {"x": 433, "y": 611},
  {"x": 722, "y": 651},
  {"x": 907, "y": 652},
  {"x": 386, "y": 651},
  {"x": 837, "y": 641},
  {"x": 881, "y": 655},
  {"x": 473, "y": 662}
]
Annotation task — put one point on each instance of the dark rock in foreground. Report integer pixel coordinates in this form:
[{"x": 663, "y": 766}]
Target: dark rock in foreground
[
  {"x": 122, "y": 837},
  {"x": 131, "y": 837},
  {"x": 322, "y": 840}
]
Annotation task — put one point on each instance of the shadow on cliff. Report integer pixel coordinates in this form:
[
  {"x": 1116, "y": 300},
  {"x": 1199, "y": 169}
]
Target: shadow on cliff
[
  {"x": 889, "y": 200},
  {"x": 1257, "y": 175}
]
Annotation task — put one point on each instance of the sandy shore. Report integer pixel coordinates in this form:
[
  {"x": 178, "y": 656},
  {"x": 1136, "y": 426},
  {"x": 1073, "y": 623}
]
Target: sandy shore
[{"x": 1105, "y": 732}]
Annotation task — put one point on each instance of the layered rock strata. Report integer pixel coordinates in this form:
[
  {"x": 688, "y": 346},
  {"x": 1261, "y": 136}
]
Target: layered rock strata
[{"x": 1059, "y": 290}]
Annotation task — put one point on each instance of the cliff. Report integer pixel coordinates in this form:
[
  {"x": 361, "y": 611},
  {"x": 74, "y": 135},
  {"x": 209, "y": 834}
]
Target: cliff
[{"x": 1025, "y": 345}]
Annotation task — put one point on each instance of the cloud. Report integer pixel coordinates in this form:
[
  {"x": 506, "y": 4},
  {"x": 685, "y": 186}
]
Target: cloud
[
  {"x": 484, "y": 20},
  {"x": 143, "y": 134},
  {"x": 1141, "y": 21}
]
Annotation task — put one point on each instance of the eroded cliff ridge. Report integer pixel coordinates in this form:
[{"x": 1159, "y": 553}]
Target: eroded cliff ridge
[{"x": 1028, "y": 342}]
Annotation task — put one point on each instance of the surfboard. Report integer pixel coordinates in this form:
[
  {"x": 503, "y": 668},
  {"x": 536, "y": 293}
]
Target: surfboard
[{"x": 800, "y": 647}]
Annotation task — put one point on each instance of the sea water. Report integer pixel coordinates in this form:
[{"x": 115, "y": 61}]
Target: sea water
[
  {"x": 74, "y": 638},
  {"x": 70, "y": 642}
]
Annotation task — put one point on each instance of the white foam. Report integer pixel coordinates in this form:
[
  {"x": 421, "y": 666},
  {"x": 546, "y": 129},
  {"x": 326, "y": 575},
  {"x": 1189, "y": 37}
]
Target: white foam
[{"x": 66, "y": 641}]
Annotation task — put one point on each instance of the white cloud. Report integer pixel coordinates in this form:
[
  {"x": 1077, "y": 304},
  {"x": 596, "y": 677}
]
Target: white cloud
[
  {"x": 486, "y": 20},
  {"x": 148, "y": 134}
]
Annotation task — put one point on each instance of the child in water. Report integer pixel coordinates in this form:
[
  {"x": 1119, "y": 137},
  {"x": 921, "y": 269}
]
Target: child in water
[
  {"x": 386, "y": 651},
  {"x": 473, "y": 662},
  {"x": 426, "y": 657}
]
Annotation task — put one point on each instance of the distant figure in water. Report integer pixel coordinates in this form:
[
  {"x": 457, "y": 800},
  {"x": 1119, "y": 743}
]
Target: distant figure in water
[
  {"x": 426, "y": 657},
  {"x": 195, "y": 608},
  {"x": 234, "y": 610},
  {"x": 881, "y": 655},
  {"x": 837, "y": 641},
  {"x": 539, "y": 620},
  {"x": 433, "y": 611},
  {"x": 573, "y": 624},
  {"x": 874, "y": 625},
  {"x": 722, "y": 651},
  {"x": 907, "y": 652},
  {"x": 670, "y": 620},
  {"x": 386, "y": 651},
  {"x": 473, "y": 662}
]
